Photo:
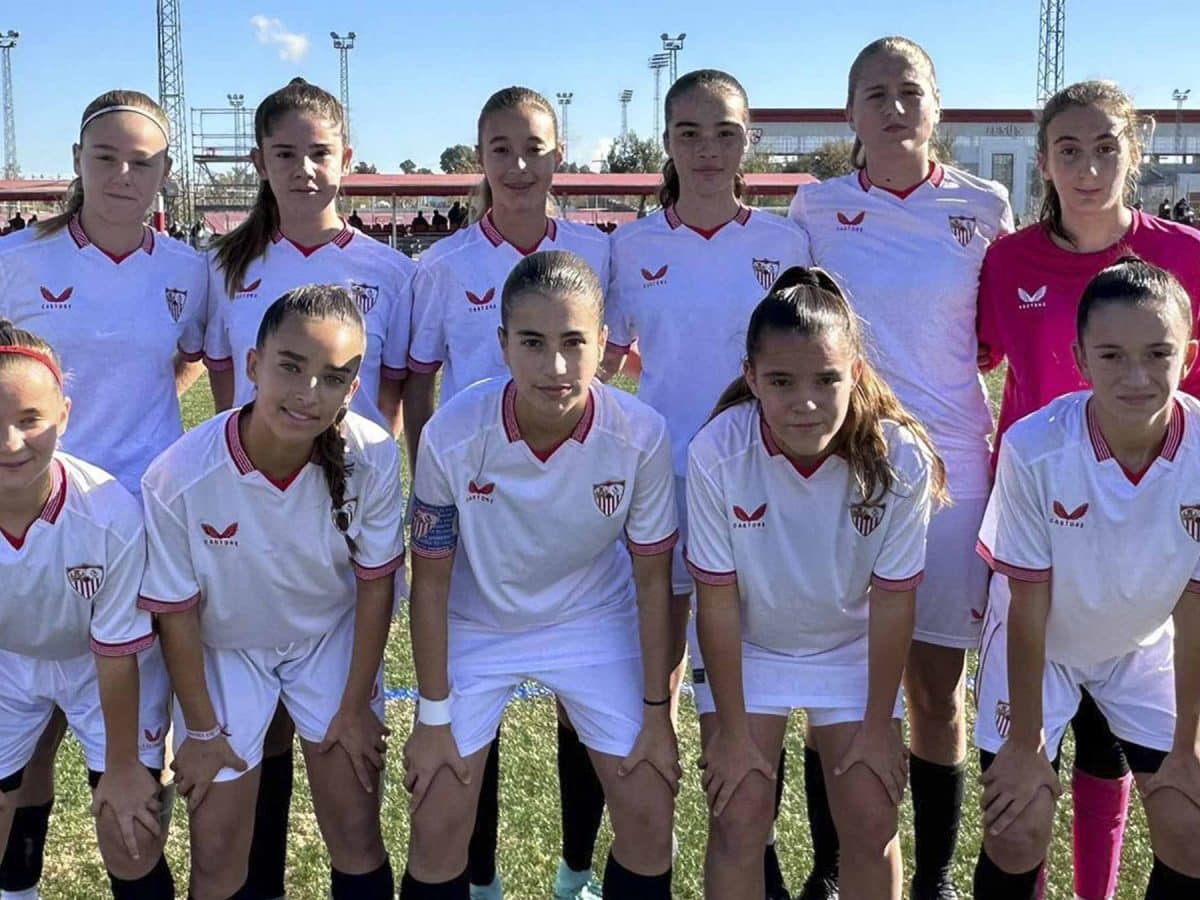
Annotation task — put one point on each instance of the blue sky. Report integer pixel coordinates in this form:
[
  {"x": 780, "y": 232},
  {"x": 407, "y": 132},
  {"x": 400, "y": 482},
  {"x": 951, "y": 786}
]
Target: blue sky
[{"x": 421, "y": 71}]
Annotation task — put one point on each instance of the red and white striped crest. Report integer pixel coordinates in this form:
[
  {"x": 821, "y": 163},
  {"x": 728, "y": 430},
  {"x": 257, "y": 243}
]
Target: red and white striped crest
[
  {"x": 1190, "y": 517},
  {"x": 963, "y": 228},
  {"x": 1003, "y": 718},
  {"x": 423, "y": 522},
  {"x": 85, "y": 580},
  {"x": 608, "y": 496},
  {"x": 866, "y": 517}
]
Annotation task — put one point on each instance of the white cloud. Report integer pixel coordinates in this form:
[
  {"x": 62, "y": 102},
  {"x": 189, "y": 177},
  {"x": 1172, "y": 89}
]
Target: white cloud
[{"x": 292, "y": 46}]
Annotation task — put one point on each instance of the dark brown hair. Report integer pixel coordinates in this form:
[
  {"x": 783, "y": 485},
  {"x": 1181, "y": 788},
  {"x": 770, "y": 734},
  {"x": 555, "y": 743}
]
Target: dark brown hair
[
  {"x": 556, "y": 272},
  {"x": 717, "y": 82},
  {"x": 914, "y": 54},
  {"x": 12, "y": 336},
  {"x": 1131, "y": 281},
  {"x": 514, "y": 97}
]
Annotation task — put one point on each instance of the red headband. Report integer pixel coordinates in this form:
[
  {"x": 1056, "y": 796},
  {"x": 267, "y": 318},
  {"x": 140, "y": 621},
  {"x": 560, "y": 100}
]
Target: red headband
[{"x": 37, "y": 355}]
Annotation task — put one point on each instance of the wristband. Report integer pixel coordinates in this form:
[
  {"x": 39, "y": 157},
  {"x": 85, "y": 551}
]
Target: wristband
[
  {"x": 215, "y": 732},
  {"x": 656, "y": 702},
  {"x": 433, "y": 712}
]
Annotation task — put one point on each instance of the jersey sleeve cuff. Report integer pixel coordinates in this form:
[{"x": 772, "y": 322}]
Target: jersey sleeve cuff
[
  {"x": 1019, "y": 573},
  {"x": 1193, "y": 586},
  {"x": 150, "y": 604},
  {"x": 617, "y": 345},
  {"x": 391, "y": 373},
  {"x": 423, "y": 368},
  {"x": 653, "y": 549},
  {"x": 706, "y": 576},
  {"x": 190, "y": 355},
  {"x": 124, "y": 648},
  {"x": 218, "y": 363},
  {"x": 897, "y": 585},
  {"x": 372, "y": 573}
]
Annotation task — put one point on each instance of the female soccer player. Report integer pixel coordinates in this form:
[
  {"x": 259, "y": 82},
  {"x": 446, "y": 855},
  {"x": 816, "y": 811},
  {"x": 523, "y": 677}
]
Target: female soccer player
[
  {"x": 1083, "y": 487},
  {"x": 905, "y": 236},
  {"x": 126, "y": 309},
  {"x": 506, "y": 470},
  {"x": 1089, "y": 150},
  {"x": 809, "y": 494},
  {"x": 295, "y": 501},
  {"x": 456, "y": 310},
  {"x": 71, "y": 635},
  {"x": 685, "y": 281}
]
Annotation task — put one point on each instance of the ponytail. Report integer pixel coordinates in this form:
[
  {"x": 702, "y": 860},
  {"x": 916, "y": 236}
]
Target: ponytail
[
  {"x": 246, "y": 243},
  {"x": 715, "y": 81},
  {"x": 330, "y": 452},
  {"x": 72, "y": 206}
]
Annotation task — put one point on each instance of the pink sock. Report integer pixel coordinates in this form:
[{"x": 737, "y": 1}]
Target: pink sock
[{"x": 1101, "y": 807}]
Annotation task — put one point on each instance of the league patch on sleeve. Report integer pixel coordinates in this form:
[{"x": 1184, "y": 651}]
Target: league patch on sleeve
[{"x": 434, "y": 529}]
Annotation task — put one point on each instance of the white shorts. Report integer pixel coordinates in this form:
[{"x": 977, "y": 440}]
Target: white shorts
[
  {"x": 31, "y": 688},
  {"x": 1136, "y": 691},
  {"x": 953, "y": 594},
  {"x": 602, "y": 694},
  {"x": 774, "y": 684},
  {"x": 682, "y": 583},
  {"x": 309, "y": 676}
]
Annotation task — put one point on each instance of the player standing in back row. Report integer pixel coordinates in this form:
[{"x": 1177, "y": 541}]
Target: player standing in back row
[{"x": 905, "y": 236}]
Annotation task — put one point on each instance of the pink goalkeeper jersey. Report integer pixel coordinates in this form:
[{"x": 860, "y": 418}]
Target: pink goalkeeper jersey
[{"x": 1029, "y": 292}]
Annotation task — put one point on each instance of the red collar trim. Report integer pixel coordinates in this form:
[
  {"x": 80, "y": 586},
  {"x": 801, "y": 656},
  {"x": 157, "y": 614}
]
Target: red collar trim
[
  {"x": 741, "y": 218},
  {"x": 935, "y": 177},
  {"x": 339, "y": 240},
  {"x": 773, "y": 449},
  {"x": 241, "y": 459},
  {"x": 50, "y": 509},
  {"x": 495, "y": 238},
  {"x": 1169, "y": 449},
  {"x": 513, "y": 431},
  {"x": 75, "y": 228}
]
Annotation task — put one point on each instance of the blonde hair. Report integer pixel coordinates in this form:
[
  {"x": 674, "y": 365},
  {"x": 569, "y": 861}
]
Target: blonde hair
[
  {"x": 914, "y": 54},
  {"x": 513, "y": 97},
  {"x": 716, "y": 82},
  {"x": 1105, "y": 95},
  {"x": 808, "y": 302},
  {"x": 74, "y": 200}
]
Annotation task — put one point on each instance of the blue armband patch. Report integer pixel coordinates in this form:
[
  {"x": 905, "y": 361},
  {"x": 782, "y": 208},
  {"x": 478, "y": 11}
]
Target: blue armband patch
[{"x": 434, "y": 529}]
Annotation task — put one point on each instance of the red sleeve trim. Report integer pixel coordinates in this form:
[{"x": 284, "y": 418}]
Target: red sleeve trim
[
  {"x": 1020, "y": 573},
  {"x": 167, "y": 606},
  {"x": 391, "y": 373},
  {"x": 666, "y": 544},
  {"x": 624, "y": 348},
  {"x": 190, "y": 356},
  {"x": 897, "y": 585},
  {"x": 218, "y": 364},
  {"x": 432, "y": 554},
  {"x": 125, "y": 648},
  {"x": 1193, "y": 586},
  {"x": 373, "y": 573},
  {"x": 717, "y": 579},
  {"x": 424, "y": 368}
]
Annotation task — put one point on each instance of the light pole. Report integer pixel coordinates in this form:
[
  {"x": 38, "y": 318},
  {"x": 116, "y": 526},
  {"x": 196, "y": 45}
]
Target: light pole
[
  {"x": 8, "y": 40},
  {"x": 658, "y": 62},
  {"x": 344, "y": 43},
  {"x": 672, "y": 45},
  {"x": 1180, "y": 97},
  {"x": 625, "y": 97},
  {"x": 237, "y": 101},
  {"x": 564, "y": 104}
]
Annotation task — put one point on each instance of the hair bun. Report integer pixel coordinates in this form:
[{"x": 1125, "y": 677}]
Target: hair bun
[{"x": 297, "y": 80}]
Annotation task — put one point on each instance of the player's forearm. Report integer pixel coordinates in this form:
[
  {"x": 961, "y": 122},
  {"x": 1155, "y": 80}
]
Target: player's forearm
[
  {"x": 391, "y": 394},
  {"x": 186, "y": 374},
  {"x": 1027, "y": 617},
  {"x": 652, "y": 579},
  {"x": 719, "y": 628},
  {"x": 372, "y": 618},
  {"x": 183, "y": 651},
  {"x": 119, "y": 703},
  {"x": 417, "y": 410},
  {"x": 429, "y": 626},
  {"x": 220, "y": 382},
  {"x": 890, "y": 627},
  {"x": 1187, "y": 673},
  {"x": 614, "y": 359}
]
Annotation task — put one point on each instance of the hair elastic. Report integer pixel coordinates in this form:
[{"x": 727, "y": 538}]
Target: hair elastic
[
  {"x": 104, "y": 111},
  {"x": 35, "y": 355}
]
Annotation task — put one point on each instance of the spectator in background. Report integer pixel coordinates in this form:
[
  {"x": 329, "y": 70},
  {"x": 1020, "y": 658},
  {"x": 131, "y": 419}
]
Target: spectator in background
[
  {"x": 419, "y": 223},
  {"x": 1164, "y": 210},
  {"x": 355, "y": 221},
  {"x": 1184, "y": 212},
  {"x": 457, "y": 216},
  {"x": 16, "y": 223},
  {"x": 440, "y": 222}
]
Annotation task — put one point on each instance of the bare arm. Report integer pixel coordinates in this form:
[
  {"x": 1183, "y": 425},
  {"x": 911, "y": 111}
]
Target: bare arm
[
  {"x": 613, "y": 361},
  {"x": 1027, "y": 616},
  {"x": 417, "y": 410},
  {"x": 719, "y": 627},
  {"x": 118, "y": 680},
  {"x": 372, "y": 619},
  {"x": 652, "y": 578},
  {"x": 391, "y": 393},
  {"x": 220, "y": 381},
  {"x": 186, "y": 373},
  {"x": 1187, "y": 673},
  {"x": 890, "y": 626},
  {"x": 429, "y": 624},
  {"x": 183, "y": 652}
]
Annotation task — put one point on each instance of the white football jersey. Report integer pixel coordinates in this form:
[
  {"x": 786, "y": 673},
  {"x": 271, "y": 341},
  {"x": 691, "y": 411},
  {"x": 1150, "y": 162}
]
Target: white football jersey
[
  {"x": 802, "y": 547},
  {"x": 264, "y": 559},
  {"x": 1118, "y": 548},
  {"x": 70, "y": 582},
  {"x": 540, "y": 539},
  {"x": 686, "y": 296},
  {"x": 379, "y": 278},
  {"x": 456, "y": 297},
  {"x": 909, "y": 264},
  {"x": 116, "y": 325}
]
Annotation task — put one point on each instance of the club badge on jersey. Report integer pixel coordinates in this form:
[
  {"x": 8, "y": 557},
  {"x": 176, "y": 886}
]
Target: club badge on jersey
[
  {"x": 608, "y": 496},
  {"x": 365, "y": 296},
  {"x": 86, "y": 580},
  {"x": 867, "y": 516},
  {"x": 1190, "y": 517},
  {"x": 176, "y": 301},
  {"x": 963, "y": 228},
  {"x": 766, "y": 271}
]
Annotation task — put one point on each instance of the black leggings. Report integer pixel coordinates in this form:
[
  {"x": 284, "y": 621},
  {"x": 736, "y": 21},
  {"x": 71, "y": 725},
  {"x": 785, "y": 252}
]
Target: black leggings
[{"x": 1098, "y": 752}]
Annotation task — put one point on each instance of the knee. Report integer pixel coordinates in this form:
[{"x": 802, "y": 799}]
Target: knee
[
  {"x": 644, "y": 823},
  {"x": 1174, "y": 823},
  {"x": 740, "y": 832},
  {"x": 116, "y": 856},
  {"x": 868, "y": 828},
  {"x": 220, "y": 861},
  {"x": 1022, "y": 845},
  {"x": 354, "y": 838},
  {"x": 934, "y": 701},
  {"x": 438, "y": 839}
]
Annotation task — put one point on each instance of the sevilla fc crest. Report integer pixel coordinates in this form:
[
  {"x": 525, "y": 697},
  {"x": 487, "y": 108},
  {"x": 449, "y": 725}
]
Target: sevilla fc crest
[
  {"x": 85, "y": 580},
  {"x": 608, "y": 496},
  {"x": 766, "y": 271},
  {"x": 1003, "y": 718},
  {"x": 365, "y": 296},
  {"x": 176, "y": 301},
  {"x": 866, "y": 517},
  {"x": 344, "y": 514},
  {"x": 963, "y": 228},
  {"x": 1190, "y": 517},
  {"x": 423, "y": 522}
]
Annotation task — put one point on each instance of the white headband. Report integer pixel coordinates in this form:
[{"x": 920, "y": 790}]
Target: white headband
[{"x": 133, "y": 109}]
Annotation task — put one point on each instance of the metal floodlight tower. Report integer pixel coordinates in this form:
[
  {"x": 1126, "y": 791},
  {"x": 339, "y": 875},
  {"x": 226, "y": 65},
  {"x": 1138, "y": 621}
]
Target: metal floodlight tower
[
  {"x": 1051, "y": 38},
  {"x": 564, "y": 104},
  {"x": 238, "y": 102},
  {"x": 1180, "y": 97},
  {"x": 170, "y": 97},
  {"x": 8, "y": 40},
  {"x": 344, "y": 43},
  {"x": 625, "y": 97},
  {"x": 658, "y": 62},
  {"x": 672, "y": 46}
]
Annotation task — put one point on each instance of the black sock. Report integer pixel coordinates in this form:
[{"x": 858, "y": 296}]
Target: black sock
[
  {"x": 481, "y": 854},
  {"x": 772, "y": 874},
  {"x": 157, "y": 884},
  {"x": 937, "y": 796},
  {"x": 621, "y": 884},
  {"x": 379, "y": 884},
  {"x": 455, "y": 889},
  {"x": 820, "y": 819},
  {"x": 992, "y": 883},
  {"x": 582, "y": 800},
  {"x": 21, "y": 867},
  {"x": 268, "y": 847},
  {"x": 1167, "y": 884}
]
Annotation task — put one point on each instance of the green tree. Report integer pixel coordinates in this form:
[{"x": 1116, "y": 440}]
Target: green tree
[
  {"x": 830, "y": 160},
  {"x": 408, "y": 167},
  {"x": 459, "y": 159},
  {"x": 634, "y": 154},
  {"x": 363, "y": 167}
]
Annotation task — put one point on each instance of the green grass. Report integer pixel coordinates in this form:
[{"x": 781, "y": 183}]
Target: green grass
[{"x": 529, "y": 830}]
